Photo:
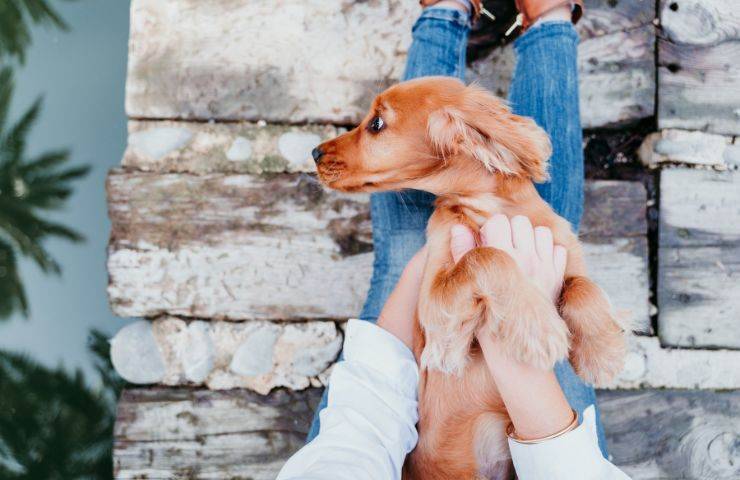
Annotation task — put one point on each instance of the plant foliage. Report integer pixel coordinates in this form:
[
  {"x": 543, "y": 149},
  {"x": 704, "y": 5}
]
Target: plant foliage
[
  {"x": 53, "y": 426},
  {"x": 28, "y": 187},
  {"x": 16, "y": 19}
]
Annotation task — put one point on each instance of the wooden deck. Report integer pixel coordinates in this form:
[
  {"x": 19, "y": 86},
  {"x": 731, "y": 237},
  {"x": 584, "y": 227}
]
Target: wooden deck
[
  {"x": 218, "y": 224},
  {"x": 178, "y": 433}
]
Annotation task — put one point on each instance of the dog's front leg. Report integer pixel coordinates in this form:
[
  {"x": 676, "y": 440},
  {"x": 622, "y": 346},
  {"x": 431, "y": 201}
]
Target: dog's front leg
[
  {"x": 449, "y": 317},
  {"x": 448, "y": 313},
  {"x": 485, "y": 292}
]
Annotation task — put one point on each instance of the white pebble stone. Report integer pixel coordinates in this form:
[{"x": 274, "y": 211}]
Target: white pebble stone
[
  {"x": 157, "y": 143},
  {"x": 240, "y": 150},
  {"x": 135, "y": 354},
  {"x": 198, "y": 352},
  {"x": 254, "y": 355},
  {"x": 311, "y": 357},
  {"x": 296, "y": 147}
]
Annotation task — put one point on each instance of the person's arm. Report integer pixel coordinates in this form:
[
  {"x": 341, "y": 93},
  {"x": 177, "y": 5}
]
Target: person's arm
[
  {"x": 369, "y": 424},
  {"x": 534, "y": 399}
]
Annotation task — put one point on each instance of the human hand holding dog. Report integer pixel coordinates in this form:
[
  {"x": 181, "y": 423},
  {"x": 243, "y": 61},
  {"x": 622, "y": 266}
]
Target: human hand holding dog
[
  {"x": 533, "y": 397},
  {"x": 542, "y": 262}
]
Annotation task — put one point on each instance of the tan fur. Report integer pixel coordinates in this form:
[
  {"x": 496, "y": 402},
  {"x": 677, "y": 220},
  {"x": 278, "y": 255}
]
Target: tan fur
[{"x": 464, "y": 145}]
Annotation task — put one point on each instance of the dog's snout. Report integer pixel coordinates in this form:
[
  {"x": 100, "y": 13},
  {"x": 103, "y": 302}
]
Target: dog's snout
[{"x": 317, "y": 153}]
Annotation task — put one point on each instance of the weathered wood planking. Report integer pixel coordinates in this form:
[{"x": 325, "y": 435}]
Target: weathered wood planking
[
  {"x": 233, "y": 147},
  {"x": 259, "y": 355},
  {"x": 691, "y": 148},
  {"x": 664, "y": 434},
  {"x": 282, "y": 247},
  {"x": 648, "y": 365},
  {"x": 699, "y": 259},
  {"x": 324, "y": 60},
  {"x": 236, "y": 246},
  {"x": 698, "y": 70},
  {"x": 616, "y": 75},
  {"x": 173, "y": 433},
  {"x": 166, "y": 433}
]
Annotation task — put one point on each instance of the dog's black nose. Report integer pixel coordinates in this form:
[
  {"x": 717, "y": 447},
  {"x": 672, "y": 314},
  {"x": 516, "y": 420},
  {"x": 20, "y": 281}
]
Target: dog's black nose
[{"x": 317, "y": 153}]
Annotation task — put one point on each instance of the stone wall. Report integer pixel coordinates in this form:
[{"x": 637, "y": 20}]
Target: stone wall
[{"x": 220, "y": 232}]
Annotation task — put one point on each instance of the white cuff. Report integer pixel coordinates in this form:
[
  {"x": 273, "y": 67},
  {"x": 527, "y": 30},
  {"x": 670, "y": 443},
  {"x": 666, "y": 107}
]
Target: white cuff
[
  {"x": 573, "y": 456},
  {"x": 378, "y": 349}
]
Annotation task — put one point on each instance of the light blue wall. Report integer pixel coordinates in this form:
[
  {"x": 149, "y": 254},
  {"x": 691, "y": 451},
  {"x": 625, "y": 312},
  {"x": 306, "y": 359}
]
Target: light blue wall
[{"x": 81, "y": 74}]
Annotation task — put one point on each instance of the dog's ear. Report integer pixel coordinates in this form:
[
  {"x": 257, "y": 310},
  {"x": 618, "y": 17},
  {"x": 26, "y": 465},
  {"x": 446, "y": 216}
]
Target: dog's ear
[{"x": 483, "y": 127}]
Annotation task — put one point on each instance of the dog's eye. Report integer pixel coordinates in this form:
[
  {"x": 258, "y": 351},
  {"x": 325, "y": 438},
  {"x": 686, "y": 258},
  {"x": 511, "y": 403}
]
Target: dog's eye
[{"x": 376, "y": 124}]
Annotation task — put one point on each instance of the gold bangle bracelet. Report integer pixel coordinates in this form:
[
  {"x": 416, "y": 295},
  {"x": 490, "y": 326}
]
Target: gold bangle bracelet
[{"x": 572, "y": 426}]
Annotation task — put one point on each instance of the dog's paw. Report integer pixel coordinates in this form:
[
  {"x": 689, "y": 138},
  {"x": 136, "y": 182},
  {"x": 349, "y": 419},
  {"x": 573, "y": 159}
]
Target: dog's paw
[
  {"x": 442, "y": 357},
  {"x": 545, "y": 345},
  {"x": 599, "y": 343},
  {"x": 599, "y": 359},
  {"x": 535, "y": 335}
]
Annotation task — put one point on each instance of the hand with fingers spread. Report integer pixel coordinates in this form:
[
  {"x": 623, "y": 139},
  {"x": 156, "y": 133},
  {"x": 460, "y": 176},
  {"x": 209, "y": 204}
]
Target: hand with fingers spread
[
  {"x": 542, "y": 262},
  {"x": 533, "y": 397},
  {"x": 378, "y": 383}
]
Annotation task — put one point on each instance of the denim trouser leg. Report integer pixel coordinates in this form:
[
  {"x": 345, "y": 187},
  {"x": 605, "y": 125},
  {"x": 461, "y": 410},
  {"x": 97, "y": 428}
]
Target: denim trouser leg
[
  {"x": 440, "y": 38},
  {"x": 545, "y": 87}
]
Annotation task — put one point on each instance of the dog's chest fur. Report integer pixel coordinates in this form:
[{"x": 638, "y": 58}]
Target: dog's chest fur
[{"x": 475, "y": 208}]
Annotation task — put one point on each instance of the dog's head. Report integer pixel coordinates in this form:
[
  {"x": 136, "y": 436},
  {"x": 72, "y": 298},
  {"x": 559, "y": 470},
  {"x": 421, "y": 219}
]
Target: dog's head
[{"x": 434, "y": 134}]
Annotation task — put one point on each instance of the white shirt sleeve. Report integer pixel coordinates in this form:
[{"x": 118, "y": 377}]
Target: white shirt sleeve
[
  {"x": 369, "y": 424},
  {"x": 573, "y": 456}
]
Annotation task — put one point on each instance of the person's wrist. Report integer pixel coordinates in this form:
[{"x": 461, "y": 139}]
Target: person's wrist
[{"x": 536, "y": 404}]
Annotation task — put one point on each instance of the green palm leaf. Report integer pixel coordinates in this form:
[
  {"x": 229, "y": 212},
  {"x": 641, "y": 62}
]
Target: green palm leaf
[
  {"x": 54, "y": 426},
  {"x": 28, "y": 188},
  {"x": 12, "y": 294},
  {"x": 16, "y": 19}
]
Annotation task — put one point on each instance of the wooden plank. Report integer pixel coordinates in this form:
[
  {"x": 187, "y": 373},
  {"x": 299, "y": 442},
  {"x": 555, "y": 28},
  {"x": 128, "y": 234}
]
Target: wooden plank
[
  {"x": 236, "y": 246},
  {"x": 699, "y": 259},
  {"x": 698, "y": 207},
  {"x": 241, "y": 247},
  {"x": 697, "y": 75},
  {"x": 699, "y": 22},
  {"x": 649, "y": 365},
  {"x": 235, "y": 147},
  {"x": 616, "y": 75},
  {"x": 274, "y": 60},
  {"x": 665, "y": 434},
  {"x": 258, "y": 356},
  {"x": 166, "y": 433},
  {"x": 690, "y": 148},
  {"x": 698, "y": 87},
  {"x": 171, "y": 433}
]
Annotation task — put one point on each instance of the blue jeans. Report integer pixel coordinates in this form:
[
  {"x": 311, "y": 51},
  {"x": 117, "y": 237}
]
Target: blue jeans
[{"x": 544, "y": 87}]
